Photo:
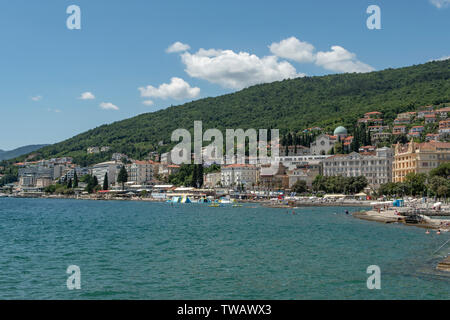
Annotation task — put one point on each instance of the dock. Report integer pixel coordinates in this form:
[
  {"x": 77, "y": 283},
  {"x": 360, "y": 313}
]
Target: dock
[{"x": 444, "y": 265}]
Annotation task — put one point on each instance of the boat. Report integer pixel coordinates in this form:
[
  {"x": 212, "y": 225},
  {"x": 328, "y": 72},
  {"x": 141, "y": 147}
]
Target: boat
[{"x": 226, "y": 201}]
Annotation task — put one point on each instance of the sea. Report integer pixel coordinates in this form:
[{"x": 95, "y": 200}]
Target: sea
[{"x": 147, "y": 250}]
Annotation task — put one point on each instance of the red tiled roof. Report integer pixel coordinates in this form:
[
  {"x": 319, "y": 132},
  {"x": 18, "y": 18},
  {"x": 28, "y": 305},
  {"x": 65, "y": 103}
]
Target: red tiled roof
[{"x": 373, "y": 112}]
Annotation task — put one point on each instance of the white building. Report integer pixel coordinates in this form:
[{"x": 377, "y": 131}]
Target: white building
[
  {"x": 376, "y": 167},
  {"x": 323, "y": 144},
  {"x": 212, "y": 180},
  {"x": 166, "y": 158},
  {"x": 235, "y": 175},
  {"x": 306, "y": 172},
  {"x": 142, "y": 172},
  {"x": 292, "y": 161},
  {"x": 112, "y": 168}
]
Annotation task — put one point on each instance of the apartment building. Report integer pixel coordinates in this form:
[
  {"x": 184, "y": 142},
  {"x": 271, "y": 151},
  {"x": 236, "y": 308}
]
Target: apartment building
[
  {"x": 419, "y": 158},
  {"x": 111, "y": 168},
  {"x": 235, "y": 175},
  {"x": 142, "y": 172},
  {"x": 376, "y": 167}
]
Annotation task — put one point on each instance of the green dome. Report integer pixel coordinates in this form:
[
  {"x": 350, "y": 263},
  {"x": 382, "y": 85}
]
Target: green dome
[{"x": 340, "y": 131}]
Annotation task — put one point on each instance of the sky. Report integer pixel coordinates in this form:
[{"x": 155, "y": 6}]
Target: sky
[{"x": 138, "y": 56}]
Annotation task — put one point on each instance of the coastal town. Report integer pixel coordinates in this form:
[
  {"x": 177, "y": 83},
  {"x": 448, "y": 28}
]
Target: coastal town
[
  {"x": 225, "y": 160},
  {"x": 335, "y": 165}
]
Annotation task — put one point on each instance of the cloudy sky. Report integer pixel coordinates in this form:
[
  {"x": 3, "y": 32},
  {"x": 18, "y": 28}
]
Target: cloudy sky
[{"x": 140, "y": 56}]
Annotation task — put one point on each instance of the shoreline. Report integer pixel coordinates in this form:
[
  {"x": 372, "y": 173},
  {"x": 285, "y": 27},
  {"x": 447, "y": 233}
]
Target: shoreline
[{"x": 389, "y": 216}]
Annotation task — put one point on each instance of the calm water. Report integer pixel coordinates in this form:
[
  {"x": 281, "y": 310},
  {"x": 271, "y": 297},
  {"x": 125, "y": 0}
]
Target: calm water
[{"x": 137, "y": 250}]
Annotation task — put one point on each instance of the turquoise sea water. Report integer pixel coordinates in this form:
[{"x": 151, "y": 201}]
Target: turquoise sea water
[{"x": 139, "y": 250}]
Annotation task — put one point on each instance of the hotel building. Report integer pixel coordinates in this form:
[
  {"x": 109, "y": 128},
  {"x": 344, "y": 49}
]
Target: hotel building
[
  {"x": 419, "y": 158},
  {"x": 376, "y": 166}
]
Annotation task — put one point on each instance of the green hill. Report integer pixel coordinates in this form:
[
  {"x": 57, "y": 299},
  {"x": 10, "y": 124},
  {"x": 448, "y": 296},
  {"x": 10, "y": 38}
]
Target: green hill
[
  {"x": 5, "y": 155},
  {"x": 325, "y": 101}
]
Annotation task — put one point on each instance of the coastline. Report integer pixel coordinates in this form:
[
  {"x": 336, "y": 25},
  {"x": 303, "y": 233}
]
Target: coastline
[{"x": 390, "y": 216}]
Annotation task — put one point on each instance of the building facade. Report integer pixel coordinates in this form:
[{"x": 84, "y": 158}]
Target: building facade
[
  {"x": 142, "y": 172},
  {"x": 111, "y": 168},
  {"x": 306, "y": 172},
  {"x": 376, "y": 167},
  {"x": 323, "y": 144},
  {"x": 236, "y": 175},
  {"x": 419, "y": 158},
  {"x": 212, "y": 180}
]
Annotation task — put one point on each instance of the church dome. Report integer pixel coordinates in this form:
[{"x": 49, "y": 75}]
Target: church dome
[{"x": 340, "y": 131}]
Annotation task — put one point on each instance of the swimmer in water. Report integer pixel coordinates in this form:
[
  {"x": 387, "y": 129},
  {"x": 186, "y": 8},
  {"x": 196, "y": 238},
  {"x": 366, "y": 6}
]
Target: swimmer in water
[{"x": 346, "y": 211}]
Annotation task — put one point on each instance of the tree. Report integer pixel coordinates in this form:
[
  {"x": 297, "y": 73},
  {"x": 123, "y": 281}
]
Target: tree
[
  {"x": 358, "y": 184},
  {"x": 300, "y": 187},
  {"x": 440, "y": 186},
  {"x": 199, "y": 176},
  {"x": 122, "y": 177},
  {"x": 69, "y": 184},
  {"x": 195, "y": 177},
  {"x": 338, "y": 148},
  {"x": 416, "y": 183},
  {"x": 75, "y": 179},
  {"x": 91, "y": 182},
  {"x": 105, "y": 182},
  {"x": 319, "y": 183},
  {"x": 442, "y": 171}
]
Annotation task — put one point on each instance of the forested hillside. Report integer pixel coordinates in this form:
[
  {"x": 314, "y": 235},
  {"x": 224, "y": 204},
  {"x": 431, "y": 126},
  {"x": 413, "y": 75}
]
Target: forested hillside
[{"x": 293, "y": 105}]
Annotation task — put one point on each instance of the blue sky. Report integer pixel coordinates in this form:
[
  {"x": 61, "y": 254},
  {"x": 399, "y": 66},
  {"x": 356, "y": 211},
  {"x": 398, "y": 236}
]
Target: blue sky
[{"x": 122, "y": 46}]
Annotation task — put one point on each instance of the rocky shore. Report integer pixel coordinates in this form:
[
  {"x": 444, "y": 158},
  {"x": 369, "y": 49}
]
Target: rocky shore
[{"x": 392, "y": 216}]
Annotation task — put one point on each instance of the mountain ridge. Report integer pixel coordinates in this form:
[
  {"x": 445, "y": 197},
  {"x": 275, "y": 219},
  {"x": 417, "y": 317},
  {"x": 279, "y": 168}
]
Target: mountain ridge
[
  {"x": 11, "y": 154},
  {"x": 295, "y": 104}
]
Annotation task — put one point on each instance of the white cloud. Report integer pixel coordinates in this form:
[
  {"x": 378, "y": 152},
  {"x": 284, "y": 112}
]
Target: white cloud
[
  {"x": 236, "y": 70},
  {"x": 36, "y": 98},
  {"x": 338, "y": 59},
  {"x": 341, "y": 60},
  {"x": 293, "y": 49},
  {"x": 176, "y": 89},
  {"x": 87, "y": 96},
  {"x": 441, "y": 58},
  {"x": 108, "y": 106},
  {"x": 178, "y": 47},
  {"x": 440, "y": 3},
  {"x": 148, "y": 102}
]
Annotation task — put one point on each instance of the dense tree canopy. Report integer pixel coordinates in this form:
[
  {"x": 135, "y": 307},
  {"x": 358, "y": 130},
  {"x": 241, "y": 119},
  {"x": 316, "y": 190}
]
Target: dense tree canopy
[{"x": 289, "y": 105}]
